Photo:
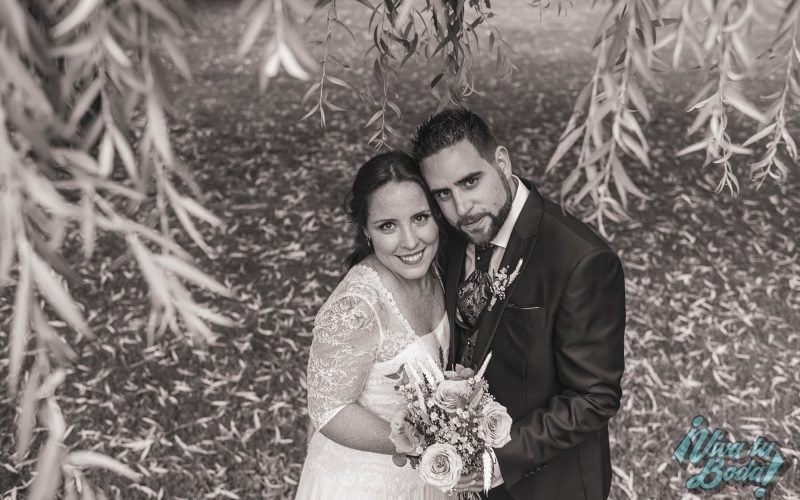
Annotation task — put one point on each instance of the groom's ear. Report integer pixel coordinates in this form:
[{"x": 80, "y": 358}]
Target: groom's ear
[{"x": 503, "y": 161}]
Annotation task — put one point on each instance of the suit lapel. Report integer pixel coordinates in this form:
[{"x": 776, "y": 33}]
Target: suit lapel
[
  {"x": 455, "y": 268},
  {"x": 520, "y": 246}
]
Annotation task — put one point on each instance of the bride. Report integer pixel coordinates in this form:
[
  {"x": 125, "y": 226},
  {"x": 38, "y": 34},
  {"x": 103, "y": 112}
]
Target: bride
[{"x": 387, "y": 311}]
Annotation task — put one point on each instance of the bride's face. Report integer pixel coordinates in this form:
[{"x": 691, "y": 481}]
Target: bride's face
[{"x": 404, "y": 234}]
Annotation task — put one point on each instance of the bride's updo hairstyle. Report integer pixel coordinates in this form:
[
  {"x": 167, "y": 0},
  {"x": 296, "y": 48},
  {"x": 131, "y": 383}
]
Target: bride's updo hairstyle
[{"x": 393, "y": 166}]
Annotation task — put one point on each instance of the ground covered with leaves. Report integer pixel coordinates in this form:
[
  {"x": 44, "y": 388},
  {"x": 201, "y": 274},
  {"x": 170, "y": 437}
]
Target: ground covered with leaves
[{"x": 713, "y": 282}]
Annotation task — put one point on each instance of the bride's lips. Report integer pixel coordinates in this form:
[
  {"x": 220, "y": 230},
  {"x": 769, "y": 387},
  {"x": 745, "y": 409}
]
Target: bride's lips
[{"x": 412, "y": 258}]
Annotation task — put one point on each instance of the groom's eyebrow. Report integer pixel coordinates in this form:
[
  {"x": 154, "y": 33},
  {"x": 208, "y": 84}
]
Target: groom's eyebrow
[
  {"x": 459, "y": 182},
  {"x": 469, "y": 176}
]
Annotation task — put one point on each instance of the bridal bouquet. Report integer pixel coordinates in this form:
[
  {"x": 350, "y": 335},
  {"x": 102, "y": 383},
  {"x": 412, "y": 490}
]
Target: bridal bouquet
[{"x": 450, "y": 423}]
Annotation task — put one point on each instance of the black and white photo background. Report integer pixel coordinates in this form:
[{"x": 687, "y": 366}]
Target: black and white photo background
[{"x": 172, "y": 182}]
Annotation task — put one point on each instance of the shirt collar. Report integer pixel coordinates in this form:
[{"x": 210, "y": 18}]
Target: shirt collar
[{"x": 520, "y": 197}]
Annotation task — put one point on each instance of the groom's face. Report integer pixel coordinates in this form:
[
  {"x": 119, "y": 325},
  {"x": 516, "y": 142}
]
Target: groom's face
[{"x": 473, "y": 193}]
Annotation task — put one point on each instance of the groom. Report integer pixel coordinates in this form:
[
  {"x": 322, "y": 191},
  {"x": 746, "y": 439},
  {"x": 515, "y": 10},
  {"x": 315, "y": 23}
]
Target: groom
[{"x": 554, "y": 325}]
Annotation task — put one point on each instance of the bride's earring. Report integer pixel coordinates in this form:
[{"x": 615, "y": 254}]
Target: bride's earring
[{"x": 369, "y": 241}]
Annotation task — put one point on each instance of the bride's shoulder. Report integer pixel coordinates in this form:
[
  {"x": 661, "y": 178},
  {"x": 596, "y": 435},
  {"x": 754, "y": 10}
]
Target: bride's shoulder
[
  {"x": 357, "y": 296},
  {"x": 361, "y": 280}
]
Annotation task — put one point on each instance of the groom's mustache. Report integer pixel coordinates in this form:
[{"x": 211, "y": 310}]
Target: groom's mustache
[{"x": 470, "y": 219}]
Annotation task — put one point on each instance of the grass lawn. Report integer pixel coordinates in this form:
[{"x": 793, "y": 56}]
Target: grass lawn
[{"x": 713, "y": 282}]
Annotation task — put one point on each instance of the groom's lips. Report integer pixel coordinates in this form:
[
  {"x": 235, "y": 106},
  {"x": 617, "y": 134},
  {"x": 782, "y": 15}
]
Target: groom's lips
[{"x": 471, "y": 223}]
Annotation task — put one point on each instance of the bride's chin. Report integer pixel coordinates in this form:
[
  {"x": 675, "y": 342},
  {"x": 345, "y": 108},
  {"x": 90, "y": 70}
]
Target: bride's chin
[{"x": 416, "y": 272}]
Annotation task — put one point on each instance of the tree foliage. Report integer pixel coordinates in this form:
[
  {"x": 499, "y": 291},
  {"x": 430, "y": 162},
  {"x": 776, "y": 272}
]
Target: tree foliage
[{"x": 85, "y": 150}]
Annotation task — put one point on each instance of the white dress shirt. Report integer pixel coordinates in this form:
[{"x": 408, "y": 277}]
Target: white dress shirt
[{"x": 500, "y": 241}]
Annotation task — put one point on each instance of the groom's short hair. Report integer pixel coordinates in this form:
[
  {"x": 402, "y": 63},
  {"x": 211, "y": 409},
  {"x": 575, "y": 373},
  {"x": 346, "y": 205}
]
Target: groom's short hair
[{"x": 449, "y": 127}]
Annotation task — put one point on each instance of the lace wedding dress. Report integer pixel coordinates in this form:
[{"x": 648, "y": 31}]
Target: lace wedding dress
[{"x": 360, "y": 336}]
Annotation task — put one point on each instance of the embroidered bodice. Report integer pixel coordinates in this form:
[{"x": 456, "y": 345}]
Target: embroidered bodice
[{"x": 360, "y": 336}]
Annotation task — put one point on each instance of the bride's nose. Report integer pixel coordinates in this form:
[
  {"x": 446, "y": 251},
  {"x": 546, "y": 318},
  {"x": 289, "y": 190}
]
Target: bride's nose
[{"x": 409, "y": 237}]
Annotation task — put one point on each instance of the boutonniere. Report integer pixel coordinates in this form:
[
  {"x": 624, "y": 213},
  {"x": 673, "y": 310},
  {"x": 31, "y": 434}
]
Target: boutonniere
[{"x": 500, "y": 282}]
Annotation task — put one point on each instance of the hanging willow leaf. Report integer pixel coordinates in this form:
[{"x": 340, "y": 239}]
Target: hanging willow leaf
[
  {"x": 258, "y": 19},
  {"x": 638, "y": 99},
  {"x": 198, "y": 211},
  {"x": 51, "y": 383},
  {"x": 62, "y": 352},
  {"x": 738, "y": 101},
  {"x": 157, "y": 128},
  {"x": 151, "y": 272},
  {"x": 697, "y": 146},
  {"x": 84, "y": 102},
  {"x": 760, "y": 134},
  {"x": 48, "y": 465},
  {"x": 197, "y": 326},
  {"x": 566, "y": 142},
  {"x": 14, "y": 18},
  {"x": 20, "y": 325},
  {"x": 115, "y": 51},
  {"x": 78, "y": 15},
  {"x": 191, "y": 273},
  {"x": 105, "y": 156},
  {"x": 176, "y": 54},
  {"x": 290, "y": 63},
  {"x": 27, "y": 413},
  {"x": 7, "y": 240},
  {"x": 125, "y": 153},
  {"x": 57, "y": 296},
  {"x": 94, "y": 459},
  {"x": 12, "y": 68},
  {"x": 299, "y": 49},
  {"x": 338, "y": 81},
  {"x": 624, "y": 182}
]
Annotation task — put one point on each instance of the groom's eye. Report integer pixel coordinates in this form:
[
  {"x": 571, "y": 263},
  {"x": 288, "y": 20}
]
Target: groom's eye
[
  {"x": 421, "y": 218},
  {"x": 471, "y": 182},
  {"x": 443, "y": 194}
]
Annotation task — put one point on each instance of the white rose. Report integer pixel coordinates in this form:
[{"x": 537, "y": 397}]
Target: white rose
[
  {"x": 404, "y": 435},
  {"x": 495, "y": 425},
  {"x": 459, "y": 373},
  {"x": 440, "y": 466},
  {"x": 451, "y": 395}
]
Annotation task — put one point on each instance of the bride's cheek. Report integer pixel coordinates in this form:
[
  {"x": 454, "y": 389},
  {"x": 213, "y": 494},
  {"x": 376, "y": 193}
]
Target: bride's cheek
[{"x": 432, "y": 235}]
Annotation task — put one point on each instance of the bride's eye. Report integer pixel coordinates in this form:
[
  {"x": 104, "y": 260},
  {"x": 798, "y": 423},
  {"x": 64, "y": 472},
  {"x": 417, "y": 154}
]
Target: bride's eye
[{"x": 386, "y": 226}]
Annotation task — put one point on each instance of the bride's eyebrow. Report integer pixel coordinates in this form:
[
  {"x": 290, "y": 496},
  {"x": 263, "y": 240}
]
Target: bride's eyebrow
[{"x": 383, "y": 221}]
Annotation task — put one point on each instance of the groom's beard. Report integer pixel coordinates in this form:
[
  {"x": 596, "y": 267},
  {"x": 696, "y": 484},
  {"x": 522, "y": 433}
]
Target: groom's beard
[{"x": 496, "y": 222}]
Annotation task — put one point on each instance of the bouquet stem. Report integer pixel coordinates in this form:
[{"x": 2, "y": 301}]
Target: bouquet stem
[{"x": 469, "y": 495}]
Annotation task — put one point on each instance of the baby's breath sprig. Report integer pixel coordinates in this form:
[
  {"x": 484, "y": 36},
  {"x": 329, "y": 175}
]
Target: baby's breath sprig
[{"x": 500, "y": 282}]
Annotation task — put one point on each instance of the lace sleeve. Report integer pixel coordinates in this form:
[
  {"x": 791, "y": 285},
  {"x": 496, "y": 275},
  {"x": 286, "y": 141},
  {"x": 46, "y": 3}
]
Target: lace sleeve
[{"x": 346, "y": 338}]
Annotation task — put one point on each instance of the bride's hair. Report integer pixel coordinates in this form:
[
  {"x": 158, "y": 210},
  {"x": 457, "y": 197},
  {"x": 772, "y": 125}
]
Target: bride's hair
[{"x": 393, "y": 166}]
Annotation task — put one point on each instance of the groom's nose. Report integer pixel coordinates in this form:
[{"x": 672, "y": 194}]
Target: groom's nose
[{"x": 461, "y": 205}]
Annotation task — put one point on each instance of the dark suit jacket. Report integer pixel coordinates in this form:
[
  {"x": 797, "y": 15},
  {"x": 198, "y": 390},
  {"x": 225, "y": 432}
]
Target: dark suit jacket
[{"x": 557, "y": 353}]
